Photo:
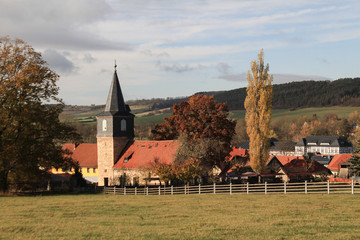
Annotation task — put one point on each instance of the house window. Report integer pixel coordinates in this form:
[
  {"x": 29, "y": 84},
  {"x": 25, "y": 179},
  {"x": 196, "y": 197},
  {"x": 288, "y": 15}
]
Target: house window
[
  {"x": 94, "y": 170},
  {"x": 88, "y": 170}
]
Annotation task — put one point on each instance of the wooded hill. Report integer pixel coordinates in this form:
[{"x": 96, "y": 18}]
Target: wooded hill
[{"x": 292, "y": 95}]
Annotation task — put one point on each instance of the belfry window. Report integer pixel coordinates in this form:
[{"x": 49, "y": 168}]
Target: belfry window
[
  {"x": 104, "y": 125},
  {"x": 123, "y": 125}
]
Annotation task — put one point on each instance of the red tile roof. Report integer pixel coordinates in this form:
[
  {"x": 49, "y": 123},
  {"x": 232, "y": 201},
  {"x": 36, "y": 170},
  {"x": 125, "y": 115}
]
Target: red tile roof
[
  {"x": 297, "y": 164},
  {"x": 287, "y": 159},
  {"x": 334, "y": 165},
  {"x": 238, "y": 152},
  {"x": 141, "y": 154},
  {"x": 85, "y": 154}
]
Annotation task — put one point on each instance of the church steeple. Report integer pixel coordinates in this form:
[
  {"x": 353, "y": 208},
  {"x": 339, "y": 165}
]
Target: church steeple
[
  {"x": 115, "y": 104},
  {"x": 115, "y": 129},
  {"x": 116, "y": 120}
]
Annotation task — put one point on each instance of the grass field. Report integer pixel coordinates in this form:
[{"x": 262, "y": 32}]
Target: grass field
[{"x": 181, "y": 217}]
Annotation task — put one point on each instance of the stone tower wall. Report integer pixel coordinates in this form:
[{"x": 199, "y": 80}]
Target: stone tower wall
[{"x": 109, "y": 150}]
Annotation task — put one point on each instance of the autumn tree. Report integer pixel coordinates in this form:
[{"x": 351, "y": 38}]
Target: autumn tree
[
  {"x": 30, "y": 130},
  {"x": 177, "y": 172},
  {"x": 204, "y": 123},
  {"x": 258, "y": 105}
]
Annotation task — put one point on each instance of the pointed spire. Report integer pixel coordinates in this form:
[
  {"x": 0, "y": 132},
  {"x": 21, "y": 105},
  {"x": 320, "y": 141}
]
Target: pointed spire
[{"x": 115, "y": 104}]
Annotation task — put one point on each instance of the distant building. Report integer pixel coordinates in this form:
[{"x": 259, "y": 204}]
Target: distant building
[
  {"x": 286, "y": 148},
  {"x": 324, "y": 145},
  {"x": 276, "y": 147}
]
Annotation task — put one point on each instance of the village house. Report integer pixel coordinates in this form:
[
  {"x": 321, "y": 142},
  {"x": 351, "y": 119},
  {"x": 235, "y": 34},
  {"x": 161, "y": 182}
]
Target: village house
[
  {"x": 339, "y": 165},
  {"x": 85, "y": 156},
  {"x": 324, "y": 145},
  {"x": 276, "y": 147}
]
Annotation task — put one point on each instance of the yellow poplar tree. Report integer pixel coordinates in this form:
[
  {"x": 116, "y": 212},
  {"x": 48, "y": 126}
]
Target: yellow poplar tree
[{"x": 258, "y": 105}]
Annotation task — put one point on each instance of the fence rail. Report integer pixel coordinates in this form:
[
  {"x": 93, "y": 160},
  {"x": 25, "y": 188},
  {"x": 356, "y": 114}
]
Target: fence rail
[{"x": 263, "y": 188}]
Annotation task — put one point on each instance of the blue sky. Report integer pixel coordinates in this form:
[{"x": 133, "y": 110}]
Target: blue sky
[{"x": 169, "y": 48}]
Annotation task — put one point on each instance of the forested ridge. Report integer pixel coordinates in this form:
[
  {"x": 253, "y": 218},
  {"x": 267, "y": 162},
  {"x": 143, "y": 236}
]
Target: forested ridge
[
  {"x": 292, "y": 95},
  {"x": 303, "y": 94}
]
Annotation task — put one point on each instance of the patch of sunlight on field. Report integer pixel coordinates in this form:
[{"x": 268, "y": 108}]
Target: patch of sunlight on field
[{"x": 181, "y": 217}]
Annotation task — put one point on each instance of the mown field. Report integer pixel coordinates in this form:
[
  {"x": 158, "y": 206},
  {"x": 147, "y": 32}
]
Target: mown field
[{"x": 181, "y": 217}]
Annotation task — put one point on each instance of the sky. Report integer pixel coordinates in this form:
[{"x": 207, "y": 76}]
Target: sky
[{"x": 171, "y": 48}]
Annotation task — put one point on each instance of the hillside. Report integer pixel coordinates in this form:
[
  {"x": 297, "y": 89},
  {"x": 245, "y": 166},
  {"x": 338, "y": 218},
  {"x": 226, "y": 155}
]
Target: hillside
[
  {"x": 345, "y": 92},
  {"x": 342, "y": 92}
]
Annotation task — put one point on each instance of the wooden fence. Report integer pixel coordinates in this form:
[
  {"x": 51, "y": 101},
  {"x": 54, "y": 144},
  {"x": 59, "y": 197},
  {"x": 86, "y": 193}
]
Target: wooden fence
[{"x": 263, "y": 188}]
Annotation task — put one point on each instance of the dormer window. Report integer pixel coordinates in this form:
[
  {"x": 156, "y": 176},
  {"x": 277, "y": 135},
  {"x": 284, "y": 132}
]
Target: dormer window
[{"x": 126, "y": 159}]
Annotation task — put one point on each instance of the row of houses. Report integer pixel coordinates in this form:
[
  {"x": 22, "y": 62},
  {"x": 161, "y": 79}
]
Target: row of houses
[
  {"x": 311, "y": 145},
  {"x": 118, "y": 159}
]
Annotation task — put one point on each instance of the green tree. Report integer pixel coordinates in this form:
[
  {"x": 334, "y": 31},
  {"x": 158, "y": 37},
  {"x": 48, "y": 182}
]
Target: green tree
[
  {"x": 355, "y": 159},
  {"x": 30, "y": 131},
  {"x": 258, "y": 105}
]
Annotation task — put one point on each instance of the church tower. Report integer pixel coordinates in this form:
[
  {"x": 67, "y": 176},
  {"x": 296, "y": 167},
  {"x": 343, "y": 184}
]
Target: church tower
[{"x": 115, "y": 129}]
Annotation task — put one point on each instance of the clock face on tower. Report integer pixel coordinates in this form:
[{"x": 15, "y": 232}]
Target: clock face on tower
[{"x": 104, "y": 125}]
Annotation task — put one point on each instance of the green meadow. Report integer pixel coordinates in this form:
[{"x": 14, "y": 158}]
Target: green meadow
[{"x": 300, "y": 216}]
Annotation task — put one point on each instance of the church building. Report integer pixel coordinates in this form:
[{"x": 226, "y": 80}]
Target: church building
[{"x": 121, "y": 159}]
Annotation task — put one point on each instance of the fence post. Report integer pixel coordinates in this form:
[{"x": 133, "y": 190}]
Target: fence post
[
  {"x": 328, "y": 186},
  {"x": 247, "y": 188},
  {"x": 159, "y": 190},
  {"x": 147, "y": 190},
  {"x": 135, "y": 190},
  {"x": 95, "y": 188},
  {"x": 265, "y": 187},
  {"x": 172, "y": 190},
  {"x": 199, "y": 189},
  {"x": 284, "y": 187},
  {"x": 306, "y": 190},
  {"x": 214, "y": 188},
  {"x": 114, "y": 190},
  {"x": 185, "y": 189},
  {"x": 352, "y": 186},
  {"x": 230, "y": 189},
  {"x": 124, "y": 190}
]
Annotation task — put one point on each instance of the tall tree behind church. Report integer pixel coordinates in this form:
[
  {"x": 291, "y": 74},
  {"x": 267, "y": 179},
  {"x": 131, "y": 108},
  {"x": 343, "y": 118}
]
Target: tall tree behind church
[{"x": 258, "y": 105}]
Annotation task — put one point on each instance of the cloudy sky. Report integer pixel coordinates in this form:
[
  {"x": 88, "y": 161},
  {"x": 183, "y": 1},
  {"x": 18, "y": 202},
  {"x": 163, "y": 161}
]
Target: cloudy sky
[{"x": 169, "y": 48}]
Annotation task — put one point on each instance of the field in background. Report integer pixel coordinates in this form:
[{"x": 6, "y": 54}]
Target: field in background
[
  {"x": 87, "y": 114},
  {"x": 181, "y": 217}
]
